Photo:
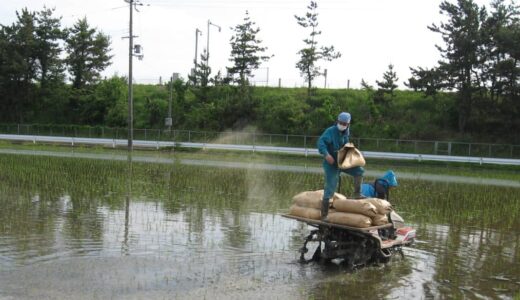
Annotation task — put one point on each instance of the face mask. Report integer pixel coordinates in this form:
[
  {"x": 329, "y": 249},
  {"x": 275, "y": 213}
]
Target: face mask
[{"x": 341, "y": 127}]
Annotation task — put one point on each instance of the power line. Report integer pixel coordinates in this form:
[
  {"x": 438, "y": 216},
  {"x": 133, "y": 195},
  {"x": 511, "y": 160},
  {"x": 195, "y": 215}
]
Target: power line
[
  {"x": 94, "y": 12},
  {"x": 223, "y": 4}
]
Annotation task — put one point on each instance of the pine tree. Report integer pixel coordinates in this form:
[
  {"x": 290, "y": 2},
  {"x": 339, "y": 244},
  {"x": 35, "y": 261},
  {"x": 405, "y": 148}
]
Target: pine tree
[
  {"x": 48, "y": 37},
  {"x": 462, "y": 55},
  {"x": 245, "y": 51},
  {"x": 311, "y": 54},
  {"x": 201, "y": 76},
  {"x": 87, "y": 53},
  {"x": 502, "y": 67},
  {"x": 388, "y": 85},
  {"x": 18, "y": 67}
]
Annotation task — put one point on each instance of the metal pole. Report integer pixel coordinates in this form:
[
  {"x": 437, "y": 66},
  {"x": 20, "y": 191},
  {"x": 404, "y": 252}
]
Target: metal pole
[
  {"x": 130, "y": 87},
  {"x": 197, "y": 33},
  {"x": 207, "y": 43},
  {"x": 325, "y": 74},
  {"x": 170, "y": 103}
]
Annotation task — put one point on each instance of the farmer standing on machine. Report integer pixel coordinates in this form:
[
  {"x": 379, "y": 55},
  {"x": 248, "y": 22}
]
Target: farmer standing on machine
[{"x": 329, "y": 143}]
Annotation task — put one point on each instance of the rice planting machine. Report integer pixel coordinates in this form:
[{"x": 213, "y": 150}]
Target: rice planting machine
[{"x": 356, "y": 246}]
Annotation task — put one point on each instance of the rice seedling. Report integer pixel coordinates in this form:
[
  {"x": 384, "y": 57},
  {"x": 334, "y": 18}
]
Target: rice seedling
[{"x": 178, "y": 227}]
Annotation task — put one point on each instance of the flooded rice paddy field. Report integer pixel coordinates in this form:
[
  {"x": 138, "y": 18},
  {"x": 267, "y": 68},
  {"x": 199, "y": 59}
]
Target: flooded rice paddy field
[{"x": 73, "y": 228}]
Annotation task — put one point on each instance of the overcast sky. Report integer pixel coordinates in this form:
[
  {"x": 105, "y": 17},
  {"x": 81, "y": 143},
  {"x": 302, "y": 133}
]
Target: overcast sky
[{"x": 370, "y": 34}]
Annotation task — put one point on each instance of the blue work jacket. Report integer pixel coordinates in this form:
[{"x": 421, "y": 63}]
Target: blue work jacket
[{"x": 331, "y": 140}]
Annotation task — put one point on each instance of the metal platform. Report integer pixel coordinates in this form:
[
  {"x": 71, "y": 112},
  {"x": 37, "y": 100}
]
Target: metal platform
[{"x": 317, "y": 223}]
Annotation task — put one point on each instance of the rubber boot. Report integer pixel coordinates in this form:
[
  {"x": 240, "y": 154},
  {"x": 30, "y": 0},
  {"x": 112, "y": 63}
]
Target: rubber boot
[
  {"x": 358, "y": 181},
  {"x": 324, "y": 209}
]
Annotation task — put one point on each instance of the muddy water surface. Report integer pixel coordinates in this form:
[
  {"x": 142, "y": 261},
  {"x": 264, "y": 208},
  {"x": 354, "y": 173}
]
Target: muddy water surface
[{"x": 74, "y": 228}]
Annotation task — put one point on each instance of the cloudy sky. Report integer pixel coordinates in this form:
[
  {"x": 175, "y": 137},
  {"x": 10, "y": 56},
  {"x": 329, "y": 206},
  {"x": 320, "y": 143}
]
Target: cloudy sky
[{"x": 370, "y": 34}]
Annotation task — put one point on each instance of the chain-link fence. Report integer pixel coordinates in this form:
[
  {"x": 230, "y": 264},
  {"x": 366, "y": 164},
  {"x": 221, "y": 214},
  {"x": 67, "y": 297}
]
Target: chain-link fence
[{"x": 256, "y": 138}]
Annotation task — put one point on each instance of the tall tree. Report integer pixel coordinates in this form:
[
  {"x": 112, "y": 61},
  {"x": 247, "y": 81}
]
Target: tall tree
[
  {"x": 501, "y": 40},
  {"x": 502, "y": 68},
  {"x": 18, "y": 67},
  {"x": 246, "y": 52},
  {"x": 48, "y": 37},
  {"x": 462, "y": 57},
  {"x": 52, "y": 91},
  {"x": 88, "y": 53},
  {"x": 311, "y": 54}
]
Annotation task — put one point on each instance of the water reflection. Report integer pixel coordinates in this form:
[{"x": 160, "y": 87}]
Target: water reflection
[
  {"x": 124, "y": 247},
  {"x": 73, "y": 228}
]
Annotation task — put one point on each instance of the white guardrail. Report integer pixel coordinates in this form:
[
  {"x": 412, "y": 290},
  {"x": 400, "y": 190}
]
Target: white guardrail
[{"x": 254, "y": 148}]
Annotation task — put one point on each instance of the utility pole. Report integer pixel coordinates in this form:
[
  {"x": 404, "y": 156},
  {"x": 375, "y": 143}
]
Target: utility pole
[
  {"x": 132, "y": 5},
  {"x": 130, "y": 83},
  {"x": 169, "y": 120},
  {"x": 207, "y": 44}
]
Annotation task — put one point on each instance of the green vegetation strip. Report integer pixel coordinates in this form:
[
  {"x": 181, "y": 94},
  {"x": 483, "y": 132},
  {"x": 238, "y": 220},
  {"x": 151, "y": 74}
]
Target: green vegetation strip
[
  {"x": 439, "y": 168},
  {"x": 91, "y": 183}
]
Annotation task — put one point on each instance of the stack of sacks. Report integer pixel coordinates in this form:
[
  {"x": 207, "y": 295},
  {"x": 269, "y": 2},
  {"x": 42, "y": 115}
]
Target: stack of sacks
[
  {"x": 360, "y": 213},
  {"x": 308, "y": 204},
  {"x": 383, "y": 208}
]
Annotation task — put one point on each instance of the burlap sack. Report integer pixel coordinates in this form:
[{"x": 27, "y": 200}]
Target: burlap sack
[
  {"x": 313, "y": 199},
  {"x": 338, "y": 196},
  {"x": 307, "y": 212},
  {"x": 349, "y": 157},
  {"x": 308, "y": 199},
  {"x": 349, "y": 219},
  {"x": 383, "y": 207},
  {"x": 379, "y": 220},
  {"x": 355, "y": 206}
]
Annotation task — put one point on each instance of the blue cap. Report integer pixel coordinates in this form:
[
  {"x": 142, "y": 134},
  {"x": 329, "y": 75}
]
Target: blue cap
[
  {"x": 344, "y": 117},
  {"x": 390, "y": 178}
]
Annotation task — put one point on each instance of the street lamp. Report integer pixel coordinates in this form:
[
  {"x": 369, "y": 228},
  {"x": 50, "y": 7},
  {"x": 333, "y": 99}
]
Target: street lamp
[
  {"x": 197, "y": 33},
  {"x": 207, "y": 45}
]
